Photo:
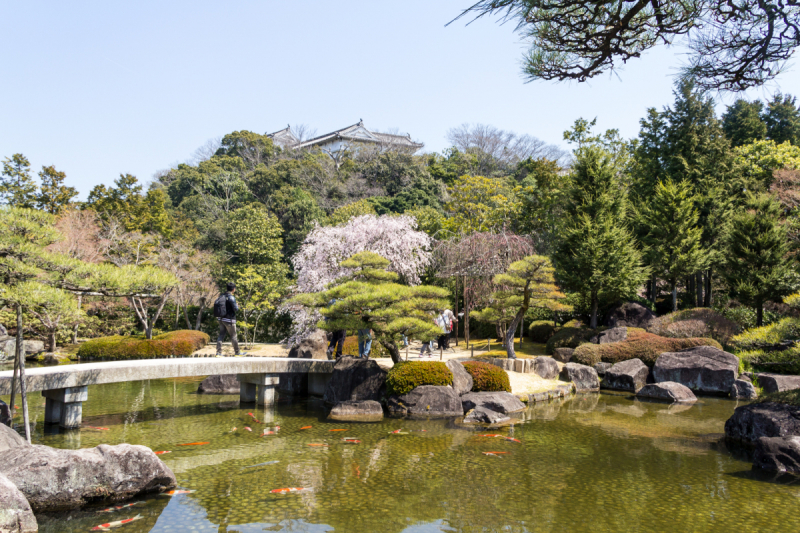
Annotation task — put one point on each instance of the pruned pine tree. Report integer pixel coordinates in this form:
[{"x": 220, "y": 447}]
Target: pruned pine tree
[
  {"x": 527, "y": 284},
  {"x": 56, "y": 309},
  {"x": 759, "y": 267},
  {"x": 597, "y": 254},
  {"x": 673, "y": 242},
  {"x": 369, "y": 297}
]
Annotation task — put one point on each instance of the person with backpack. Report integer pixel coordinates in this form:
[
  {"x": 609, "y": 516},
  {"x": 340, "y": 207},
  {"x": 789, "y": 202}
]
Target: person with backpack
[{"x": 225, "y": 310}]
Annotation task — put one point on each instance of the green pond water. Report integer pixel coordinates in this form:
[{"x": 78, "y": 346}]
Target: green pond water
[{"x": 596, "y": 462}]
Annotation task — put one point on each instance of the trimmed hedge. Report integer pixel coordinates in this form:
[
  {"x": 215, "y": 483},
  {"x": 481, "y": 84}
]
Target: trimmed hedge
[
  {"x": 487, "y": 377},
  {"x": 406, "y": 376},
  {"x": 766, "y": 336},
  {"x": 639, "y": 344},
  {"x": 569, "y": 338},
  {"x": 118, "y": 347},
  {"x": 541, "y": 331},
  {"x": 778, "y": 362}
]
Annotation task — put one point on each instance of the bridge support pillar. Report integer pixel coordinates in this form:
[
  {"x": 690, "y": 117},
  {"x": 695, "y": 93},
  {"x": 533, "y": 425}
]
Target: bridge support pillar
[
  {"x": 65, "y": 406},
  {"x": 258, "y": 388}
]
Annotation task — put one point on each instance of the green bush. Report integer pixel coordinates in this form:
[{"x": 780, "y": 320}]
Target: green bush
[
  {"x": 569, "y": 338},
  {"x": 350, "y": 347},
  {"x": 541, "y": 330},
  {"x": 752, "y": 339},
  {"x": 792, "y": 397},
  {"x": 487, "y": 377},
  {"x": 778, "y": 362},
  {"x": 180, "y": 343},
  {"x": 408, "y": 375},
  {"x": 639, "y": 344}
]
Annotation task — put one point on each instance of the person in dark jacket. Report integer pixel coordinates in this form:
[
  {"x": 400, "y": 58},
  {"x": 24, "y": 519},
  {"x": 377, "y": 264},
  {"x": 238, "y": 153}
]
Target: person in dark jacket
[{"x": 227, "y": 324}]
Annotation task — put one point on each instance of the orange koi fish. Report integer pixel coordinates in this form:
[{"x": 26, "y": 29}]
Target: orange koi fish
[
  {"x": 317, "y": 444},
  {"x": 248, "y": 429},
  {"x": 162, "y": 452},
  {"x": 398, "y": 432},
  {"x": 233, "y": 429},
  {"x": 513, "y": 440},
  {"x": 493, "y": 435},
  {"x": 351, "y": 441},
  {"x": 118, "y": 507},
  {"x": 306, "y": 427},
  {"x": 267, "y": 433},
  {"x": 118, "y": 523},
  {"x": 193, "y": 444},
  {"x": 175, "y": 492},
  {"x": 290, "y": 489},
  {"x": 253, "y": 417},
  {"x": 495, "y": 454},
  {"x": 338, "y": 430},
  {"x": 96, "y": 428},
  {"x": 356, "y": 470}
]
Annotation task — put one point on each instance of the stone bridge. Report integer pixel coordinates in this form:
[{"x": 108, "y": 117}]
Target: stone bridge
[{"x": 65, "y": 388}]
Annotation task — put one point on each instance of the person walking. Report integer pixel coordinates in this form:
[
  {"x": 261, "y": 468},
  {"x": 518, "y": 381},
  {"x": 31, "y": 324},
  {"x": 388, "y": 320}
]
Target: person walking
[
  {"x": 225, "y": 309},
  {"x": 337, "y": 338},
  {"x": 443, "y": 323},
  {"x": 364, "y": 342},
  {"x": 452, "y": 321}
]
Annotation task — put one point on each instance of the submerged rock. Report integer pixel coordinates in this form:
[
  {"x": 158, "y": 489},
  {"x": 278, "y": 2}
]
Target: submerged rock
[
  {"x": 55, "y": 480},
  {"x": 357, "y": 411},
  {"x": 703, "y": 369},
  {"x": 501, "y": 402},
  {"x": 743, "y": 389},
  {"x": 584, "y": 377},
  {"x": 769, "y": 419},
  {"x": 16, "y": 515},
  {"x": 668, "y": 391},
  {"x": 778, "y": 454},
  {"x": 462, "y": 380},
  {"x": 630, "y": 375},
  {"x": 355, "y": 379},
  {"x": 545, "y": 367},
  {"x": 10, "y": 439},
  {"x": 219, "y": 384},
  {"x": 427, "y": 401},
  {"x": 483, "y": 415}
]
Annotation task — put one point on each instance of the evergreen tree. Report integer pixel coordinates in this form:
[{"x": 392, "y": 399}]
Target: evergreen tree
[
  {"x": 673, "y": 246},
  {"x": 134, "y": 210},
  {"x": 17, "y": 188},
  {"x": 742, "y": 122},
  {"x": 597, "y": 255},
  {"x": 759, "y": 268},
  {"x": 782, "y": 118},
  {"x": 53, "y": 195}
]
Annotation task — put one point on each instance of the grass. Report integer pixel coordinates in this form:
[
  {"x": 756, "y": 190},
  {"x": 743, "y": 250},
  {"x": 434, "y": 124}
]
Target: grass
[
  {"x": 791, "y": 397},
  {"x": 526, "y": 350}
]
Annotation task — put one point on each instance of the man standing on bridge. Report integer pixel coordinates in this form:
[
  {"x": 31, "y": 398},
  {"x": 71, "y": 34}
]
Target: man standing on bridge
[{"x": 225, "y": 310}]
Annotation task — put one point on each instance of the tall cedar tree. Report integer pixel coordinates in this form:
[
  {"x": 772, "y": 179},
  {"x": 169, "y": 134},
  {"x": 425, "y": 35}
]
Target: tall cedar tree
[
  {"x": 742, "y": 122},
  {"x": 782, "y": 118},
  {"x": 673, "y": 247},
  {"x": 54, "y": 195},
  {"x": 597, "y": 255},
  {"x": 759, "y": 267},
  {"x": 17, "y": 188}
]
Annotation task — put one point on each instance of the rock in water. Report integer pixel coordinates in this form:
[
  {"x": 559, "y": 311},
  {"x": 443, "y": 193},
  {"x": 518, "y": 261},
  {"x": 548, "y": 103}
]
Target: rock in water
[
  {"x": 462, "y": 380},
  {"x": 545, "y": 367},
  {"x": 608, "y": 336},
  {"x": 482, "y": 415},
  {"x": 769, "y": 419},
  {"x": 630, "y": 375},
  {"x": 668, "y": 391},
  {"x": 16, "y": 515},
  {"x": 501, "y": 402},
  {"x": 629, "y": 314},
  {"x": 5, "y": 414},
  {"x": 602, "y": 368},
  {"x": 703, "y": 369},
  {"x": 563, "y": 355},
  {"x": 778, "y": 454},
  {"x": 56, "y": 480},
  {"x": 743, "y": 389},
  {"x": 777, "y": 382},
  {"x": 357, "y": 411},
  {"x": 427, "y": 401},
  {"x": 584, "y": 377},
  {"x": 315, "y": 346},
  {"x": 10, "y": 439},
  {"x": 219, "y": 384},
  {"x": 355, "y": 379}
]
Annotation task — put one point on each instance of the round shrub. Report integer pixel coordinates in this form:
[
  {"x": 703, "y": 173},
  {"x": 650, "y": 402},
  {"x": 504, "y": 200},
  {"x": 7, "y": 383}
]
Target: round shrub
[
  {"x": 569, "y": 338},
  {"x": 639, "y": 344},
  {"x": 180, "y": 343},
  {"x": 541, "y": 331},
  {"x": 408, "y": 375},
  {"x": 487, "y": 377}
]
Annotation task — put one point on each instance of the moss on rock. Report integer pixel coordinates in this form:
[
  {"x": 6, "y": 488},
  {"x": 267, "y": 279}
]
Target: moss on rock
[
  {"x": 639, "y": 344},
  {"x": 119, "y": 348}
]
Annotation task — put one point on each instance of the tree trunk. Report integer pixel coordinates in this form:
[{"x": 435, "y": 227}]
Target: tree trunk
[
  {"x": 674, "y": 296},
  {"x": 200, "y": 313},
  {"x": 466, "y": 313},
  {"x": 759, "y": 313},
  {"x": 393, "y": 350},
  {"x": 455, "y": 328},
  {"x": 148, "y": 332},
  {"x": 699, "y": 285},
  {"x": 22, "y": 385},
  {"x": 51, "y": 340},
  {"x": 595, "y": 304},
  {"x": 708, "y": 297},
  {"x": 653, "y": 289},
  {"x": 75, "y": 330},
  {"x": 14, "y": 386},
  {"x": 186, "y": 317},
  {"x": 511, "y": 331},
  {"x": 500, "y": 332}
]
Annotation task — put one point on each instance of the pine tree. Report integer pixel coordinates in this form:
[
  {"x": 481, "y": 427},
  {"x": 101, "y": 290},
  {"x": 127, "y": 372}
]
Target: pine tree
[
  {"x": 742, "y": 122},
  {"x": 597, "y": 255},
  {"x": 17, "y": 188},
  {"x": 673, "y": 247},
  {"x": 54, "y": 195},
  {"x": 782, "y": 118},
  {"x": 758, "y": 266}
]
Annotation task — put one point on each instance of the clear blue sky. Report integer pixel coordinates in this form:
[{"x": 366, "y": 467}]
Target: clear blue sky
[{"x": 102, "y": 88}]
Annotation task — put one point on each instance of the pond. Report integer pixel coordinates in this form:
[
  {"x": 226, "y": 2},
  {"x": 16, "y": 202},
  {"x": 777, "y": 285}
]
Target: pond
[{"x": 597, "y": 462}]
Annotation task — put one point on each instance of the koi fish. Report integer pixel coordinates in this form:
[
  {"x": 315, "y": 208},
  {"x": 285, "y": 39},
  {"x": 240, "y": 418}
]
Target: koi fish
[
  {"x": 356, "y": 470},
  {"x": 193, "y": 444},
  {"x": 494, "y": 435},
  {"x": 253, "y": 417},
  {"x": 420, "y": 430},
  {"x": 233, "y": 429},
  {"x": 305, "y": 427},
  {"x": 248, "y": 429},
  {"x": 96, "y": 428},
  {"x": 494, "y": 454},
  {"x": 175, "y": 492},
  {"x": 162, "y": 452},
  {"x": 290, "y": 489},
  {"x": 267, "y": 433},
  {"x": 118, "y": 507},
  {"x": 263, "y": 464},
  {"x": 337, "y": 430},
  {"x": 513, "y": 440},
  {"x": 351, "y": 441},
  {"x": 398, "y": 432},
  {"x": 118, "y": 523},
  {"x": 317, "y": 444}
]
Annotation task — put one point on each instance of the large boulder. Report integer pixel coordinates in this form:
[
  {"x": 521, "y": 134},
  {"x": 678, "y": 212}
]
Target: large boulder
[
  {"x": 563, "y": 355},
  {"x": 427, "y": 401},
  {"x": 778, "y": 454},
  {"x": 584, "y": 377},
  {"x": 357, "y": 411},
  {"x": 5, "y": 414},
  {"x": 10, "y": 439},
  {"x": 462, "y": 380},
  {"x": 769, "y": 419},
  {"x": 314, "y": 346},
  {"x": 16, "y": 515},
  {"x": 8, "y": 347},
  {"x": 55, "y": 480},
  {"x": 777, "y": 382},
  {"x": 630, "y": 375},
  {"x": 545, "y": 367},
  {"x": 602, "y": 368},
  {"x": 704, "y": 369},
  {"x": 608, "y": 336},
  {"x": 743, "y": 389},
  {"x": 219, "y": 384},
  {"x": 501, "y": 402},
  {"x": 668, "y": 391},
  {"x": 355, "y": 379},
  {"x": 629, "y": 314},
  {"x": 483, "y": 415}
]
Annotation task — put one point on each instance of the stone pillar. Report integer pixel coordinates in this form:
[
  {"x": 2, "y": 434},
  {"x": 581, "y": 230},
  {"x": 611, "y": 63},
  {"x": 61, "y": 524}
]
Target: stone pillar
[
  {"x": 65, "y": 406},
  {"x": 259, "y": 388}
]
